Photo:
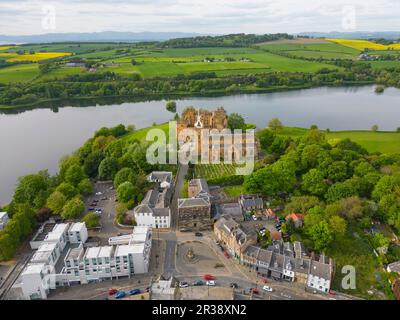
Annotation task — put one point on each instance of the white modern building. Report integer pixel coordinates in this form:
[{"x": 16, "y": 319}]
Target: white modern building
[
  {"x": 3, "y": 220},
  {"x": 36, "y": 281},
  {"x": 39, "y": 276},
  {"x": 125, "y": 256},
  {"x": 77, "y": 233}
]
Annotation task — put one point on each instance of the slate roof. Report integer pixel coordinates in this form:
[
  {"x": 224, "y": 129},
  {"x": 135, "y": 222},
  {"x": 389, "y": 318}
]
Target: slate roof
[
  {"x": 321, "y": 270},
  {"x": 160, "y": 176},
  {"x": 193, "y": 202}
]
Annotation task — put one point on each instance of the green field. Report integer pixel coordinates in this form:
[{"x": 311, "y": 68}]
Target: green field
[
  {"x": 19, "y": 73},
  {"x": 385, "y": 142},
  {"x": 140, "y": 134}
]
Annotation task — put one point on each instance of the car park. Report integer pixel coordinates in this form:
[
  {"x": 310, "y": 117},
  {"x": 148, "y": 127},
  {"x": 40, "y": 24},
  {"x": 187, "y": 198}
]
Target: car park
[
  {"x": 267, "y": 288},
  {"x": 210, "y": 283},
  {"x": 120, "y": 295},
  {"x": 134, "y": 292}
]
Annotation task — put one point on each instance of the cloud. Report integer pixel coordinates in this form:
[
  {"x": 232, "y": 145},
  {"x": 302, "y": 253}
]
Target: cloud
[{"x": 203, "y": 16}]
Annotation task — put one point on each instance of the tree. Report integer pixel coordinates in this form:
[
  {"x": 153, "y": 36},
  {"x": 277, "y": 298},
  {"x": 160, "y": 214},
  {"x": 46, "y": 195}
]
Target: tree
[
  {"x": 7, "y": 246},
  {"x": 67, "y": 189},
  {"x": 301, "y": 204},
  {"x": 275, "y": 125},
  {"x": 31, "y": 187},
  {"x": 85, "y": 187},
  {"x": 351, "y": 207},
  {"x": 340, "y": 190},
  {"x": 123, "y": 175},
  {"x": 56, "y": 201},
  {"x": 134, "y": 62},
  {"x": 236, "y": 121},
  {"x": 321, "y": 235},
  {"x": 266, "y": 138},
  {"x": 374, "y": 128},
  {"x": 171, "y": 106},
  {"x": 92, "y": 162},
  {"x": 125, "y": 192},
  {"x": 91, "y": 220},
  {"x": 337, "y": 171},
  {"x": 107, "y": 169},
  {"x": 314, "y": 182},
  {"x": 338, "y": 225},
  {"x": 75, "y": 174},
  {"x": 73, "y": 208}
]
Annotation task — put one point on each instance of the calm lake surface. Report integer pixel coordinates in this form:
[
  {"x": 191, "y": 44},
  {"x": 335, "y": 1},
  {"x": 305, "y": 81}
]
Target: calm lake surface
[{"x": 37, "y": 139}]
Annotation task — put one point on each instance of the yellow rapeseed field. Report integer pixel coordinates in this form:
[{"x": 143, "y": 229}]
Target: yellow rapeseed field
[
  {"x": 2, "y": 48},
  {"x": 39, "y": 56},
  {"x": 364, "y": 44}
]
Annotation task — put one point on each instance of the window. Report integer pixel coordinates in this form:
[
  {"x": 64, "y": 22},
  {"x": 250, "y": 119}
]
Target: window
[
  {"x": 87, "y": 272},
  {"x": 94, "y": 261},
  {"x": 107, "y": 260}
]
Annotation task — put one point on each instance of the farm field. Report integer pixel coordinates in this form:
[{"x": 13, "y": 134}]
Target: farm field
[
  {"x": 37, "y": 56},
  {"x": 385, "y": 142},
  {"x": 19, "y": 73},
  {"x": 364, "y": 44},
  {"x": 384, "y": 64}
]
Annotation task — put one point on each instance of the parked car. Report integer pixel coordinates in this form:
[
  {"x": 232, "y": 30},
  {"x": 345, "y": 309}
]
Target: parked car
[
  {"x": 265, "y": 280},
  {"x": 254, "y": 218},
  {"x": 120, "y": 295},
  {"x": 254, "y": 291},
  {"x": 99, "y": 193},
  {"x": 226, "y": 254},
  {"x": 91, "y": 209},
  {"x": 208, "y": 277},
  {"x": 112, "y": 291},
  {"x": 332, "y": 293},
  {"x": 234, "y": 285},
  {"x": 210, "y": 283},
  {"x": 267, "y": 288},
  {"x": 183, "y": 284},
  {"x": 134, "y": 292},
  {"x": 198, "y": 283},
  {"x": 198, "y": 234}
]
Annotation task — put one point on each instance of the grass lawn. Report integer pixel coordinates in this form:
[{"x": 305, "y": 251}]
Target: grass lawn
[
  {"x": 385, "y": 142},
  {"x": 140, "y": 134},
  {"x": 234, "y": 191}
]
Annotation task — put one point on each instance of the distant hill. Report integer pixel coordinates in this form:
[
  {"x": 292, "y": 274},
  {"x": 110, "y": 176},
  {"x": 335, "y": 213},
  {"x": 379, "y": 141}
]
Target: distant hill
[
  {"x": 108, "y": 36},
  {"x": 392, "y": 35}
]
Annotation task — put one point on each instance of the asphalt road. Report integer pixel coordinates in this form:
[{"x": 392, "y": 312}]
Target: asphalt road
[{"x": 182, "y": 171}]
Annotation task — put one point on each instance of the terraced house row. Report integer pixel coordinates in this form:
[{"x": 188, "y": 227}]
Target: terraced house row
[{"x": 280, "y": 261}]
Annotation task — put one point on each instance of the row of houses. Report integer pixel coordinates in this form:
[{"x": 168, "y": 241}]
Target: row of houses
[
  {"x": 63, "y": 257},
  {"x": 280, "y": 261}
]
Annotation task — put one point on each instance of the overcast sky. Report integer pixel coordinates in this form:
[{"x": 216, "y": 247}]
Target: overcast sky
[{"x": 202, "y": 16}]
